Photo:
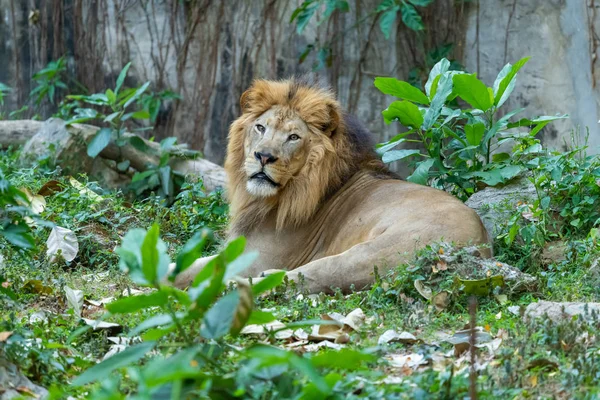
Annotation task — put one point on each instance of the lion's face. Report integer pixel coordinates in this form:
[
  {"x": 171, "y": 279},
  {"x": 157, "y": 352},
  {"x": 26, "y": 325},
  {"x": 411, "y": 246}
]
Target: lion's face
[{"x": 276, "y": 147}]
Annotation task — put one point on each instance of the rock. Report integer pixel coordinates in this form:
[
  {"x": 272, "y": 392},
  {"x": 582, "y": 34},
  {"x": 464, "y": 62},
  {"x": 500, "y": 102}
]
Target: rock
[
  {"x": 562, "y": 311},
  {"x": 13, "y": 384},
  {"x": 495, "y": 204},
  {"x": 64, "y": 146}
]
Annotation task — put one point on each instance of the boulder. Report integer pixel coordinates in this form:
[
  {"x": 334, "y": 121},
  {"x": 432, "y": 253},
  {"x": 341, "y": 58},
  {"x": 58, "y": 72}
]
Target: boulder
[
  {"x": 494, "y": 205},
  {"x": 562, "y": 311},
  {"x": 13, "y": 384}
]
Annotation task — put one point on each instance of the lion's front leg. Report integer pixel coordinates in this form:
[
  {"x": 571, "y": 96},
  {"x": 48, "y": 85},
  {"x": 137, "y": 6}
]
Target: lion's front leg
[{"x": 353, "y": 268}]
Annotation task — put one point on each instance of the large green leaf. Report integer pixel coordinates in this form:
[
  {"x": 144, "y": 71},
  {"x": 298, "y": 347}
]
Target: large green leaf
[
  {"x": 396, "y": 155},
  {"x": 411, "y": 17},
  {"x": 268, "y": 283},
  {"x": 181, "y": 365},
  {"x": 121, "y": 78},
  {"x": 421, "y": 172},
  {"x": 150, "y": 253},
  {"x": 217, "y": 321},
  {"x": 18, "y": 235},
  {"x": 441, "y": 67},
  {"x": 400, "y": 89},
  {"x": 238, "y": 265},
  {"x": 192, "y": 250},
  {"x": 473, "y": 91},
  {"x": 119, "y": 360},
  {"x": 99, "y": 142},
  {"x": 303, "y": 14},
  {"x": 444, "y": 89},
  {"x": 406, "y": 112},
  {"x": 345, "y": 359},
  {"x": 507, "y": 83},
  {"x": 134, "y": 303},
  {"x": 387, "y": 19},
  {"x": 474, "y": 133}
]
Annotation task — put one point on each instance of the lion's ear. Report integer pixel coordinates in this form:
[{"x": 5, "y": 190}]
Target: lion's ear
[
  {"x": 334, "y": 120},
  {"x": 245, "y": 100}
]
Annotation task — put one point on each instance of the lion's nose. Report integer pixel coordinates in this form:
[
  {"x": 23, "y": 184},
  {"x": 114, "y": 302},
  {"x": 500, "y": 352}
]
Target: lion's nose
[{"x": 265, "y": 158}]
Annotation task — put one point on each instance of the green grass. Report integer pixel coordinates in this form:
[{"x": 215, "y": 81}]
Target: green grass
[{"x": 569, "y": 353}]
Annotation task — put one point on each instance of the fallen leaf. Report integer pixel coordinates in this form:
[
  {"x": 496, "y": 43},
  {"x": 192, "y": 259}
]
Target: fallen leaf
[
  {"x": 441, "y": 300},
  {"x": 391, "y": 335},
  {"x": 5, "y": 335},
  {"x": 268, "y": 328},
  {"x": 412, "y": 360},
  {"x": 36, "y": 286},
  {"x": 96, "y": 198},
  {"x": 64, "y": 242},
  {"x": 97, "y": 325},
  {"x": 325, "y": 343},
  {"x": 37, "y": 203},
  {"x": 74, "y": 300},
  {"x": 50, "y": 188},
  {"x": 423, "y": 290}
]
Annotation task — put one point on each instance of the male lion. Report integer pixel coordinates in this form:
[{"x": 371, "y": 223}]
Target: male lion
[{"x": 310, "y": 194}]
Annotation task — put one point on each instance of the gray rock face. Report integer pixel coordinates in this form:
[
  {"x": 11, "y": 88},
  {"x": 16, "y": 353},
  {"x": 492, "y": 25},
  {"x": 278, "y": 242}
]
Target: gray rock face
[
  {"x": 562, "y": 311},
  {"x": 493, "y": 204},
  {"x": 11, "y": 379}
]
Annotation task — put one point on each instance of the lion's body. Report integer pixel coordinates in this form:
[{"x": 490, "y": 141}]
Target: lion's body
[{"x": 340, "y": 213}]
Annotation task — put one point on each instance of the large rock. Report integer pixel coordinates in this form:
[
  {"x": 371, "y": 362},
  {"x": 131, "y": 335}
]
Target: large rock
[
  {"x": 562, "y": 311},
  {"x": 494, "y": 205},
  {"x": 66, "y": 146},
  {"x": 13, "y": 384}
]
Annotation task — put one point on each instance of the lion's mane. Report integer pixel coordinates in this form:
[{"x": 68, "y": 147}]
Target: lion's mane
[{"x": 346, "y": 148}]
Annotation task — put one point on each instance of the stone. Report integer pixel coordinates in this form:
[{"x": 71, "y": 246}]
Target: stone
[
  {"x": 13, "y": 384},
  {"x": 495, "y": 204},
  {"x": 562, "y": 311},
  {"x": 554, "y": 252}
]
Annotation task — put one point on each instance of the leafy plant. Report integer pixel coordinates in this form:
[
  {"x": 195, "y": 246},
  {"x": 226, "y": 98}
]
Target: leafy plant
[
  {"x": 197, "y": 321},
  {"x": 459, "y": 142},
  {"x": 4, "y": 91},
  {"x": 49, "y": 81}
]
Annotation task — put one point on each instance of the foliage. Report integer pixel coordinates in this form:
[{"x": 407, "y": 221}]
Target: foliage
[
  {"x": 49, "y": 81},
  {"x": 4, "y": 91},
  {"x": 387, "y": 11},
  {"x": 13, "y": 212},
  {"x": 459, "y": 141}
]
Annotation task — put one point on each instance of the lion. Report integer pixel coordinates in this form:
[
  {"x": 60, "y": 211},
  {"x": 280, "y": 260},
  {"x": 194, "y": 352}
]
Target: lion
[{"x": 308, "y": 191}]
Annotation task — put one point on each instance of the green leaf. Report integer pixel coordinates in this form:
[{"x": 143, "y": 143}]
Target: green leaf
[
  {"x": 474, "y": 133},
  {"x": 438, "y": 69},
  {"x": 119, "y": 360},
  {"x": 507, "y": 83},
  {"x": 421, "y": 3},
  {"x": 545, "y": 203},
  {"x": 150, "y": 254},
  {"x": 142, "y": 114},
  {"x": 444, "y": 89},
  {"x": 406, "y": 112},
  {"x": 217, "y": 321},
  {"x": 482, "y": 287},
  {"x": 179, "y": 366},
  {"x": 345, "y": 359},
  {"x": 400, "y": 89},
  {"x": 18, "y": 235},
  {"x": 234, "y": 249},
  {"x": 137, "y": 94},
  {"x": 121, "y": 78},
  {"x": 473, "y": 91},
  {"x": 139, "y": 144},
  {"x": 411, "y": 17},
  {"x": 535, "y": 121},
  {"x": 238, "y": 265},
  {"x": 99, "y": 142},
  {"x": 132, "y": 304},
  {"x": 499, "y": 157},
  {"x": 123, "y": 165},
  {"x": 167, "y": 143},
  {"x": 387, "y": 19},
  {"x": 333, "y": 5},
  {"x": 111, "y": 96},
  {"x": 303, "y": 14},
  {"x": 422, "y": 172},
  {"x": 192, "y": 250},
  {"x": 395, "y": 155},
  {"x": 166, "y": 181},
  {"x": 268, "y": 283},
  {"x": 259, "y": 317}
]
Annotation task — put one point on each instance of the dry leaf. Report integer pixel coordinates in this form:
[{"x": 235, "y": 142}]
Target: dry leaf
[
  {"x": 423, "y": 290},
  {"x": 96, "y": 198},
  {"x": 50, "y": 188},
  {"x": 391, "y": 335},
  {"x": 63, "y": 241},
  {"x": 96, "y": 325},
  {"x": 268, "y": 327},
  {"x": 74, "y": 300},
  {"x": 441, "y": 300},
  {"x": 5, "y": 335},
  {"x": 412, "y": 360},
  {"x": 37, "y": 203}
]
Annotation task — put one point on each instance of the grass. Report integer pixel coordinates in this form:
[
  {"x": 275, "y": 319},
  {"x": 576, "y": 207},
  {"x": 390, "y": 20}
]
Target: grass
[{"x": 536, "y": 359}]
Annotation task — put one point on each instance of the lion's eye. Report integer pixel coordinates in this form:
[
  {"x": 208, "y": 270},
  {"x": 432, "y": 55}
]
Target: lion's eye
[
  {"x": 294, "y": 137},
  {"x": 260, "y": 128}
]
